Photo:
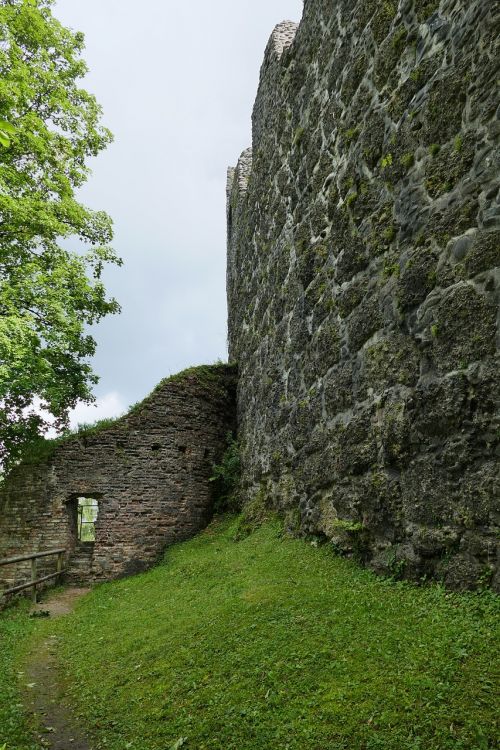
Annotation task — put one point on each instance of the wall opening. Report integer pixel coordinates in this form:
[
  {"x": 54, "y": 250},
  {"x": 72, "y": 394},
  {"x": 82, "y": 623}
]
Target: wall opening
[{"x": 87, "y": 512}]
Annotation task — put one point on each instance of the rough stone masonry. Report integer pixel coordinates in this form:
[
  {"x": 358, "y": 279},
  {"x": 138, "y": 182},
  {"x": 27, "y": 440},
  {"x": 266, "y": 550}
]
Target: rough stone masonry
[
  {"x": 363, "y": 283},
  {"x": 149, "y": 472}
]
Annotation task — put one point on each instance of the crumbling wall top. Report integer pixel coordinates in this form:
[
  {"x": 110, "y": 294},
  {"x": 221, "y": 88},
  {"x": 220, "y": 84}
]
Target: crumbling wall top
[
  {"x": 281, "y": 38},
  {"x": 270, "y": 74}
]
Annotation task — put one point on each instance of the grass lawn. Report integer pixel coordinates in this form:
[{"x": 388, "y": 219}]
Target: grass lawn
[
  {"x": 16, "y": 630},
  {"x": 272, "y": 643}
]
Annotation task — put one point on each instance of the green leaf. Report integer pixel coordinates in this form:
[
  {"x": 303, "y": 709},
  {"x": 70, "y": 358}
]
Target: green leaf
[
  {"x": 6, "y": 127},
  {"x": 180, "y": 743}
]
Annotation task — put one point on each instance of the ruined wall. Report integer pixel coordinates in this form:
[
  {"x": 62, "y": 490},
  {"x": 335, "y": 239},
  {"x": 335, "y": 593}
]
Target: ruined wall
[
  {"x": 363, "y": 283},
  {"x": 149, "y": 471}
]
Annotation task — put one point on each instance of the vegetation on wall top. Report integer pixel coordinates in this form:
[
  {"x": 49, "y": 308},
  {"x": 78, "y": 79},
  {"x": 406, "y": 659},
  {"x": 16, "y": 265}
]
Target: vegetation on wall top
[{"x": 209, "y": 377}]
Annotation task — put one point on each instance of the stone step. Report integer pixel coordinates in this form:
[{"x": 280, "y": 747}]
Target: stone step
[{"x": 80, "y": 564}]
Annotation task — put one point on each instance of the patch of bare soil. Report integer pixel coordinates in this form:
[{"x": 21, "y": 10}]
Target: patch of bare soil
[{"x": 45, "y": 693}]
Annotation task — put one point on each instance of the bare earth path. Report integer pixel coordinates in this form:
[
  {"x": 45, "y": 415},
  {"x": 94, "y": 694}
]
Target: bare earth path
[{"x": 44, "y": 694}]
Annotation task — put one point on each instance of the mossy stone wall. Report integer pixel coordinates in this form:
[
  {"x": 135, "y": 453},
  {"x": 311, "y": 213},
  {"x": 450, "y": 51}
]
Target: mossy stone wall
[{"x": 363, "y": 283}]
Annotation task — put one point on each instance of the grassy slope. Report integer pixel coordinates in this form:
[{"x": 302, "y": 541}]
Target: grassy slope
[
  {"x": 15, "y": 631},
  {"x": 273, "y": 643}
]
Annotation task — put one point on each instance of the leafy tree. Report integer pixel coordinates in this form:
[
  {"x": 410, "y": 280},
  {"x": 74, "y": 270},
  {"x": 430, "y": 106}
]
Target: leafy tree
[{"x": 49, "y": 127}]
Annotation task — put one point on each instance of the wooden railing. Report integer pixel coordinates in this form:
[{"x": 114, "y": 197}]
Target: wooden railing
[{"x": 34, "y": 580}]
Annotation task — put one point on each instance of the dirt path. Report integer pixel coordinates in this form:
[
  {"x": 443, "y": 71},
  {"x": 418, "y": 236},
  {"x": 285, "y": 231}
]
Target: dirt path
[{"x": 44, "y": 691}]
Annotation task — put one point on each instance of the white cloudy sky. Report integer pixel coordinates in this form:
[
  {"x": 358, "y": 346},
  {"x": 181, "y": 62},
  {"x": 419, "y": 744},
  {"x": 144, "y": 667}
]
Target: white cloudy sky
[{"x": 177, "y": 81}]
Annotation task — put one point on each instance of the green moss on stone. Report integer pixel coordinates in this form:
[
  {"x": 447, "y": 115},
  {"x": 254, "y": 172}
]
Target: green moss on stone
[
  {"x": 298, "y": 135},
  {"x": 390, "y": 269},
  {"x": 383, "y": 18},
  {"x": 449, "y": 164},
  {"x": 407, "y": 160},
  {"x": 425, "y": 8},
  {"x": 484, "y": 252}
]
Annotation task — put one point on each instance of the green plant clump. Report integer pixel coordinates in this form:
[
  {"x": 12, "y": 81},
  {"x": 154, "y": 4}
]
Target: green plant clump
[
  {"x": 386, "y": 161},
  {"x": 407, "y": 160},
  {"x": 351, "y": 198},
  {"x": 269, "y": 642},
  {"x": 226, "y": 478}
]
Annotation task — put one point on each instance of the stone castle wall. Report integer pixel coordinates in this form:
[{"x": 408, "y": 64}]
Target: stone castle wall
[
  {"x": 363, "y": 283},
  {"x": 149, "y": 471}
]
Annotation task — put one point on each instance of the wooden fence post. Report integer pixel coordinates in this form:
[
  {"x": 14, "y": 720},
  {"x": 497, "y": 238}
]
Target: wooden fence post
[
  {"x": 33, "y": 558},
  {"x": 33, "y": 577},
  {"x": 60, "y": 558}
]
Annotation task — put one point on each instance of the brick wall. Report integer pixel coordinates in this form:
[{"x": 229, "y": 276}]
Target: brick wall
[{"x": 149, "y": 471}]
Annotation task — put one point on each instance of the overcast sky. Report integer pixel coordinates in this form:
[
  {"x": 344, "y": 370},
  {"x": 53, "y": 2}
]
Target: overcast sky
[{"x": 177, "y": 82}]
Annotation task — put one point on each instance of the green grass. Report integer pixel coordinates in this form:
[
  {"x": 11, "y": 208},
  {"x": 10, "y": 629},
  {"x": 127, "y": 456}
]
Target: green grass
[
  {"x": 15, "y": 631},
  {"x": 274, "y": 643}
]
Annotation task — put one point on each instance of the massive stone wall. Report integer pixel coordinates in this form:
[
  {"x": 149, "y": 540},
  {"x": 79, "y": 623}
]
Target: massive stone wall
[
  {"x": 363, "y": 283},
  {"x": 149, "y": 471}
]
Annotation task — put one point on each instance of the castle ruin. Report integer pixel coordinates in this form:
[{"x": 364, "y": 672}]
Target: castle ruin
[{"x": 363, "y": 293}]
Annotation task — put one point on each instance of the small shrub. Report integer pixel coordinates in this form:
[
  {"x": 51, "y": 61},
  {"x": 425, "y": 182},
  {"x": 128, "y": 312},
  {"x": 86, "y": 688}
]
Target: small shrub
[
  {"x": 396, "y": 565},
  {"x": 255, "y": 513},
  {"x": 226, "y": 478}
]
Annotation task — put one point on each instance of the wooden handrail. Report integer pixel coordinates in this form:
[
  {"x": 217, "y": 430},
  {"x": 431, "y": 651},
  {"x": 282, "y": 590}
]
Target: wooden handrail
[
  {"x": 23, "y": 558},
  {"x": 34, "y": 580},
  {"x": 28, "y": 585}
]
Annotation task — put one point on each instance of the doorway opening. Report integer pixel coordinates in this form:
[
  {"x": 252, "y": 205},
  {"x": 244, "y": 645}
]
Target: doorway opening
[{"x": 87, "y": 512}]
